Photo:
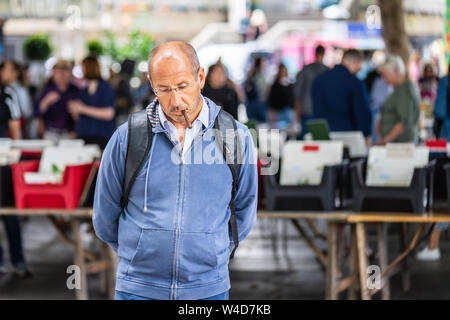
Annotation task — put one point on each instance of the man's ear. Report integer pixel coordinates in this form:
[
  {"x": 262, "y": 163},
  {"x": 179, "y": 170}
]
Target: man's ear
[
  {"x": 201, "y": 77},
  {"x": 148, "y": 78}
]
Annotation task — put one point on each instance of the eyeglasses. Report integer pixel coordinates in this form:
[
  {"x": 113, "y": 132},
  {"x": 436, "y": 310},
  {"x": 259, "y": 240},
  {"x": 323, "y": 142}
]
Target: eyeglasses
[{"x": 167, "y": 91}]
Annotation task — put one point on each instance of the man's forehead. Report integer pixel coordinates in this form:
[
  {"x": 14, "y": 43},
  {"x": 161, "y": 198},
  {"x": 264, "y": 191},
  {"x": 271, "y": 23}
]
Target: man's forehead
[
  {"x": 170, "y": 64},
  {"x": 170, "y": 54}
]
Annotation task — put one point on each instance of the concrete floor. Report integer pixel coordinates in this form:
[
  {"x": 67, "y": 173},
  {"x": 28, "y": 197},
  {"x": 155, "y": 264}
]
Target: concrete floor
[{"x": 272, "y": 263}]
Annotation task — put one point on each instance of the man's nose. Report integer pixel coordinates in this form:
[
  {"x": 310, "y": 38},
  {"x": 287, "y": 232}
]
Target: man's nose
[{"x": 175, "y": 99}]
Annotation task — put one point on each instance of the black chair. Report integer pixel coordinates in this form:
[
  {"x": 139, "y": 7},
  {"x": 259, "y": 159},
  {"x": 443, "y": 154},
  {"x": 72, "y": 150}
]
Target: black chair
[
  {"x": 403, "y": 199},
  {"x": 303, "y": 197}
]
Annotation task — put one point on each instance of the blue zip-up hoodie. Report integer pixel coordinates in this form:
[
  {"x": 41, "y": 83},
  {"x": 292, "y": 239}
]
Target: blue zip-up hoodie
[{"x": 173, "y": 239}]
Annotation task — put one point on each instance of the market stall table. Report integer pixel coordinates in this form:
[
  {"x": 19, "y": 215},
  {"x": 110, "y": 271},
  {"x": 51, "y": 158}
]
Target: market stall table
[
  {"x": 400, "y": 263},
  {"x": 86, "y": 261},
  {"x": 336, "y": 220}
]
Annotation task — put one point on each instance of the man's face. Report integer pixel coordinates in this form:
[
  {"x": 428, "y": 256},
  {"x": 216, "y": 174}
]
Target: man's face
[
  {"x": 389, "y": 76},
  {"x": 8, "y": 74},
  {"x": 355, "y": 66},
  {"x": 61, "y": 77},
  {"x": 175, "y": 72},
  {"x": 218, "y": 77}
]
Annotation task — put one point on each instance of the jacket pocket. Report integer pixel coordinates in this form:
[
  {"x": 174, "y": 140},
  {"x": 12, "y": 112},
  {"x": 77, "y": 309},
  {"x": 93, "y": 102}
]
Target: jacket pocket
[
  {"x": 198, "y": 259},
  {"x": 152, "y": 261},
  {"x": 128, "y": 237}
]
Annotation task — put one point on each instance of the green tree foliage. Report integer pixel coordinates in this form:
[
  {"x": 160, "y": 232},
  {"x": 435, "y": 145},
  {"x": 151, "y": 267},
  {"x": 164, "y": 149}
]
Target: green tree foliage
[
  {"x": 37, "y": 47},
  {"x": 95, "y": 47},
  {"x": 138, "y": 47}
]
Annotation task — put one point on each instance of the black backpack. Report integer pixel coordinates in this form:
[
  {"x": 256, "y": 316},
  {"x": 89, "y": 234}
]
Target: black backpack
[{"x": 139, "y": 144}]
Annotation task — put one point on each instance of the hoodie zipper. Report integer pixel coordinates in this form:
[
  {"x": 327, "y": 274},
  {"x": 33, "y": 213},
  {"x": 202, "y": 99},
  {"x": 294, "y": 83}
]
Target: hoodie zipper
[{"x": 178, "y": 230}]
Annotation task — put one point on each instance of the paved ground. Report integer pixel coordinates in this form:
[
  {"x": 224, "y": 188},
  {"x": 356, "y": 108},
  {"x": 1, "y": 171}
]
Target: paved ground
[{"x": 273, "y": 263}]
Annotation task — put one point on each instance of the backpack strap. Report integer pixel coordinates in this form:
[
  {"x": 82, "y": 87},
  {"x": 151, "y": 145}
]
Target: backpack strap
[
  {"x": 227, "y": 137},
  {"x": 138, "y": 146}
]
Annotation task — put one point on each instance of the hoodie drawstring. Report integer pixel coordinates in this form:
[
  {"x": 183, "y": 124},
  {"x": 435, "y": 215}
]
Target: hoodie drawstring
[{"x": 148, "y": 169}]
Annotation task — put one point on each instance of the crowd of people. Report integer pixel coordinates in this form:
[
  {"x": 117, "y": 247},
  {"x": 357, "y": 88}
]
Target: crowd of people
[
  {"x": 64, "y": 106},
  {"x": 385, "y": 107}
]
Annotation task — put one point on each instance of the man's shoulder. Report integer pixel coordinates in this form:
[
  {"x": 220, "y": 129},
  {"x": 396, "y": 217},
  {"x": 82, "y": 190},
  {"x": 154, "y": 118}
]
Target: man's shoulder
[
  {"x": 241, "y": 126},
  {"x": 122, "y": 132},
  {"x": 316, "y": 67},
  {"x": 322, "y": 78}
]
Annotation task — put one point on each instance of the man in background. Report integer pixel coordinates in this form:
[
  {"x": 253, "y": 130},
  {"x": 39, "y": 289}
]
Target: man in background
[
  {"x": 341, "y": 98},
  {"x": 302, "y": 89}
]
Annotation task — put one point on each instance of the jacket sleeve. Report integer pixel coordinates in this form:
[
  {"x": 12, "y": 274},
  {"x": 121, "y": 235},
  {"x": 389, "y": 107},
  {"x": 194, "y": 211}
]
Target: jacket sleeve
[
  {"x": 361, "y": 109},
  {"x": 246, "y": 197},
  {"x": 108, "y": 191}
]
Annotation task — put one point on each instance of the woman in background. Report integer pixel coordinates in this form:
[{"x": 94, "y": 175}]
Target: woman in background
[
  {"x": 281, "y": 100},
  {"x": 218, "y": 89},
  {"x": 256, "y": 89},
  {"x": 94, "y": 111}
]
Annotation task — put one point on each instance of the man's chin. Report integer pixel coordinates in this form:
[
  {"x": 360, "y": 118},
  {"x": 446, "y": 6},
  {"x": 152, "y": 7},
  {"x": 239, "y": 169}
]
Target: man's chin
[{"x": 177, "y": 118}]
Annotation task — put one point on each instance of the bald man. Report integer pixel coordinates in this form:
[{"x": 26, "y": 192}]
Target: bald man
[{"x": 173, "y": 238}]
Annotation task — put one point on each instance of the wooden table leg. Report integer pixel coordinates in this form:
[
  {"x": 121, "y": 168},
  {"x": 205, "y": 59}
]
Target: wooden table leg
[
  {"x": 383, "y": 258},
  {"x": 310, "y": 242},
  {"x": 362, "y": 258},
  {"x": 406, "y": 274},
  {"x": 331, "y": 267},
  {"x": 82, "y": 293},
  {"x": 353, "y": 262}
]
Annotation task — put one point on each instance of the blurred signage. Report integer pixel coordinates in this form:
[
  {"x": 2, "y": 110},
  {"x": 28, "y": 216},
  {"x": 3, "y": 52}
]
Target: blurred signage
[
  {"x": 361, "y": 30},
  {"x": 44, "y": 8}
]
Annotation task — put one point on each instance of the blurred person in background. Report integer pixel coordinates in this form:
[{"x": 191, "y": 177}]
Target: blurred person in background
[
  {"x": 442, "y": 130},
  {"x": 378, "y": 90},
  {"x": 257, "y": 24},
  {"x": 143, "y": 94},
  {"x": 9, "y": 111},
  {"x": 33, "y": 123},
  {"x": 378, "y": 94},
  {"x": 219, "y": 90},
  {"x": 121, "y": 83},
  {"x": 441, "y": 109},
  {"x": 26, "y": 83},
  {"x": 399, "y": 121},
  {"x": 341, "y": 98},
  {"x": 94, "y": 111},
  {"x": 9, "y": 122},
  {"x": 303, "y": 87},
  {"x": 431, "y": 252},
  {"x": 52, "y": 105},
  {"x": 11, "y": 74},
  {"x": 414, "y": 66},
  {"x": 256, "y": 90},
  {"x": 281, "y": 100},
  {"x": 428, "y": 84}
]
